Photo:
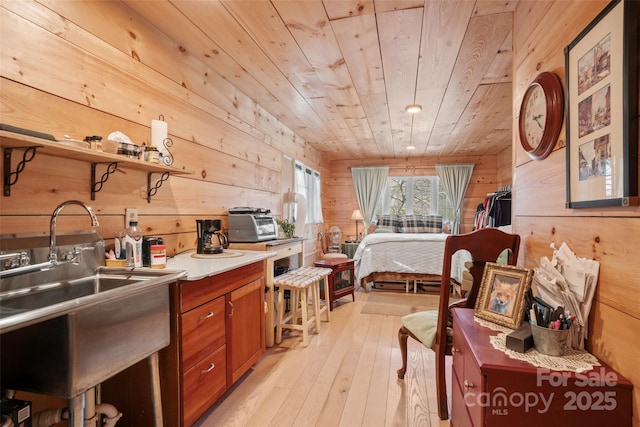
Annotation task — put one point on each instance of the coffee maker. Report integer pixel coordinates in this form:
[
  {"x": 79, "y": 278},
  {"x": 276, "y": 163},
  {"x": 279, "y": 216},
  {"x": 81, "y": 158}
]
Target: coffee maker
[{"x": 211, "y": 240}]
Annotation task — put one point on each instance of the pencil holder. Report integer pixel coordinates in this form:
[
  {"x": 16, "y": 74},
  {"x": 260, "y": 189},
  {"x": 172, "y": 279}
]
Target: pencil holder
[{"x": 552, "y": 342}]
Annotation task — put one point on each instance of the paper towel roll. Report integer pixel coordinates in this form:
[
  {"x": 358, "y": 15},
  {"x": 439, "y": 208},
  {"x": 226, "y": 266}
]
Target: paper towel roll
[{"x": 159, "y": 132}]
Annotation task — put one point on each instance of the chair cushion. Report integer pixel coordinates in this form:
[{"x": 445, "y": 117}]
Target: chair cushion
[{"x": 423, "y": 325}]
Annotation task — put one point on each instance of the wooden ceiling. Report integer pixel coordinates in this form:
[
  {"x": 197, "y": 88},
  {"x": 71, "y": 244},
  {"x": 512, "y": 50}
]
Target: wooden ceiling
[{"x": 339, "y": 73}]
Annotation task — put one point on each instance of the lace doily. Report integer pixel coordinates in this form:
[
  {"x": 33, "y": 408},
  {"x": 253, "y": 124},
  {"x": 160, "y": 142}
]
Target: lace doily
[
  {"x": 492, "y": 326},
  {"x": 573, "y": 360}
]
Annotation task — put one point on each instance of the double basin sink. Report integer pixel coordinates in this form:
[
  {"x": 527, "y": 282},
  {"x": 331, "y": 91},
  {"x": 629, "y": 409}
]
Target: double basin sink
[{"x": 63, "y": 336}]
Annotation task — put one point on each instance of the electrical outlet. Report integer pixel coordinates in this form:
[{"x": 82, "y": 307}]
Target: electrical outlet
[{"x": 130, "y": 214}]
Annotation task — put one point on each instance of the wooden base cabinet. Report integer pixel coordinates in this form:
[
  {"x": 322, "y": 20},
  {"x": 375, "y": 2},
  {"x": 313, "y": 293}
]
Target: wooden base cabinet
[
  {"x": 218, "y": 323},
  {"x": 491, "y": 389},
  {"x": 217, "y": 333}
]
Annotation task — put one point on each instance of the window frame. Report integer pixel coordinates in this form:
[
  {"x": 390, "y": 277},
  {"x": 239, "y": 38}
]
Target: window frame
[
  {"x": 308, "y": 182},
  {"x": 434, "y": 196}
]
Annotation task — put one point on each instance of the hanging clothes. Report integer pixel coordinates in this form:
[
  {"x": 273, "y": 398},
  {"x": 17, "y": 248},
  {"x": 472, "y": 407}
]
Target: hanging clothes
[{"x": 495, "y": 210}]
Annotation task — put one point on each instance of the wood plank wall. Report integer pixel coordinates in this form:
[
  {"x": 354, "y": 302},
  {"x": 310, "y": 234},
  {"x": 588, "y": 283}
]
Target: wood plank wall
[
  {"x": 91, "y": 68},
  {"x": 340, "y": 197},
  {"x": 608, "y": 235},
  {"x": 78, "y": 77}
]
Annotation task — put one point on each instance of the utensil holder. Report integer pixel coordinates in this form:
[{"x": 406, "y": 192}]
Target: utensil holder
[{"x": 552, "y": 342}]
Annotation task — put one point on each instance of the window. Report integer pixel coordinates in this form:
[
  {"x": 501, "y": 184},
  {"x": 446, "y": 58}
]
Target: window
[
  {"x": 418, "y": 195},
  {"x": 307, "y": 183}
]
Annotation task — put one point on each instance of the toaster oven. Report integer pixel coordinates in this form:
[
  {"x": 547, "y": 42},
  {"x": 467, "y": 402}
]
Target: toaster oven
[{"x": 251, "y": 228}]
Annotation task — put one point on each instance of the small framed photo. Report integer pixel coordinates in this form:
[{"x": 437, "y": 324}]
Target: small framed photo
[{"x": 501, "y": 296}]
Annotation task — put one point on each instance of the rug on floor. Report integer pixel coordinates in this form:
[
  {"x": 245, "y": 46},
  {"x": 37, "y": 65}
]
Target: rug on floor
[{"x": 400, "y": 303}]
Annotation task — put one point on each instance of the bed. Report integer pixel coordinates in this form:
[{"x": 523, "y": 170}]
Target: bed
[{"x": 404, "y": 256}]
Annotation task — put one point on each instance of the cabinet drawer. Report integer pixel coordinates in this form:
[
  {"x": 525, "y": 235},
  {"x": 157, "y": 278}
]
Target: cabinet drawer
[
  {"x": 198, "y": 292},
  {"x": 203, "y": 331},
  {"x": 466, "y": 381},
  {"x": 459, "y": 415},
  {"x": 287, "y": 250},
  {"x": 458, "y": 354},
  {"x": 203, "y": 384},
  {"x": 472, "y": 387}
]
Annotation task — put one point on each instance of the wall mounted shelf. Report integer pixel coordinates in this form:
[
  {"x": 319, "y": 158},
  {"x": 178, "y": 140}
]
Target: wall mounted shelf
[{"x": 31, "y": 145}]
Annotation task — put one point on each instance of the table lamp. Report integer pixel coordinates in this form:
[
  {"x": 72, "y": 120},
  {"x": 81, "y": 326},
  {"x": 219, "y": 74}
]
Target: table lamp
[{"x": 357, "y": 216}]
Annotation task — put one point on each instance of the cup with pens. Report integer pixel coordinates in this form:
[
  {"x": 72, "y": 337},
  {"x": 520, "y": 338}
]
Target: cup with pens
[{"x": 550, "y": 328}]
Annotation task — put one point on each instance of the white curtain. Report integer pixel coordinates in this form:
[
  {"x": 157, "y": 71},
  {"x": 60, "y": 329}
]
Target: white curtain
[
  {"x": 455, "y": 180},
  {"x": 307, "y": 183},
  {"x": 369, "y": 183},
  {"x": 313, "y": 185}
]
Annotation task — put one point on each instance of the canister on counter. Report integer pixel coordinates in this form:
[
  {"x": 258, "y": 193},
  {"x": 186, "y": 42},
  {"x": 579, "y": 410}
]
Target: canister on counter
[{"x": 158, "y": 256}]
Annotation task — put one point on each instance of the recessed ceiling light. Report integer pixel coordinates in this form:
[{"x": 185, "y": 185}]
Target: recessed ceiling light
[
  {"x": 414, "y": 108},
  {"x": 411, "y": 147}
]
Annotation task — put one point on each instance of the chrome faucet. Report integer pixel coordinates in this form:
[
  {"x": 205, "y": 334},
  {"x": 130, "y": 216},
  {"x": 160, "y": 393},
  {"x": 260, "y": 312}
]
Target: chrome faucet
[{"x": 53, "y": 257}]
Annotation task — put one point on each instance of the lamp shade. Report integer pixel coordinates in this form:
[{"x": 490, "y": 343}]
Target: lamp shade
[{"x": 356, "y": 215}]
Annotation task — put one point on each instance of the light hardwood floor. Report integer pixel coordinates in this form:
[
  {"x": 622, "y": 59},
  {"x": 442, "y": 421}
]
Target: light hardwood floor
[{"x": 345, "y": 377}]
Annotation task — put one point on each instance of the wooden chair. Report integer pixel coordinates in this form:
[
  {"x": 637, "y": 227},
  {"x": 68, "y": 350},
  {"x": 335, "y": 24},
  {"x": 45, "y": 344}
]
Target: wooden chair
[
  {"x": 328, "y": 244},
  {"x": 434, "y": 328}
]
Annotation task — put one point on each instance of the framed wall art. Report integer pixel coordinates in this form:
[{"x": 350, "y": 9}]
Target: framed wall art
[
  {"x": 601, "y": 66},
  {"x": 501, "y": 296}
]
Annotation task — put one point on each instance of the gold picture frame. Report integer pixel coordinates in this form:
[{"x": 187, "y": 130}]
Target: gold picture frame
[{"x": 501, "y": 296}]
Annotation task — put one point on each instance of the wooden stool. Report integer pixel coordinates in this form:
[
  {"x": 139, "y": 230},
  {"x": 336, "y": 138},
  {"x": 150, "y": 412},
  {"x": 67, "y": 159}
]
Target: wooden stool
[{"x": 303, "y": 285}]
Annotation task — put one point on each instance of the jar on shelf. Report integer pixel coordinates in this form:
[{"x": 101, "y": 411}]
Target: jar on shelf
[
  {"x": 135, "y": 151},
  {"x": 151, "y": 154}
]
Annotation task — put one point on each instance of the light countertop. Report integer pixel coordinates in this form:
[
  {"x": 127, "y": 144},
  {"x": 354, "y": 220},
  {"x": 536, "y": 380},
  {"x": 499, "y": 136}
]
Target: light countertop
[{"x": 200, "y": 266}]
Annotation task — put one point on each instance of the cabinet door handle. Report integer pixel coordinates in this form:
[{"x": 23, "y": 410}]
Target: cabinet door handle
[
  {"x": 231, "y": 312},
  {"x": 454, "y": 351},
  {"x": 208, "y": 369},
  {"x": 210, "y": 314},
  {"x": 468, "y": 385}
]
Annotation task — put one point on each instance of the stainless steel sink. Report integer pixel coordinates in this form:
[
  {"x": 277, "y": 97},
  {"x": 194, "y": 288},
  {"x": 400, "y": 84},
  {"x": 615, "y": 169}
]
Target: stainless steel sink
[
  {"x": 49, "y": 295},
  {"x": 62, "y": 333}
]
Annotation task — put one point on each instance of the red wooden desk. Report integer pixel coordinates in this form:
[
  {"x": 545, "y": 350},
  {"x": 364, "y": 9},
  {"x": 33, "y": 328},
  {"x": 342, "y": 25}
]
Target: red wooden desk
[{"x": 491, "y": 389}]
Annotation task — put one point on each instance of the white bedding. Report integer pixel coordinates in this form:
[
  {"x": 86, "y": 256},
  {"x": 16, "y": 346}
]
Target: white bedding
[{"x": 405, "y": 253}]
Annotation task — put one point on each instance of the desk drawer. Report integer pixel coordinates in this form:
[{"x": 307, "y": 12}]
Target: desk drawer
[{"x": 287, "y": 250}]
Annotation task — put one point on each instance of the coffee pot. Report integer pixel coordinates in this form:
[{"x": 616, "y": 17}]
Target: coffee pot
[{"x": 211, "y": 239}]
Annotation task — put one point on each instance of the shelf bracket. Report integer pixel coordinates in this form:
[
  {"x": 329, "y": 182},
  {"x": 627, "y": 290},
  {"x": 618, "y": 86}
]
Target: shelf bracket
[
  {"x": 96, "y": 186},
  {"x": 11, "y": 178},
  {"x": 151, "y": 191}
]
